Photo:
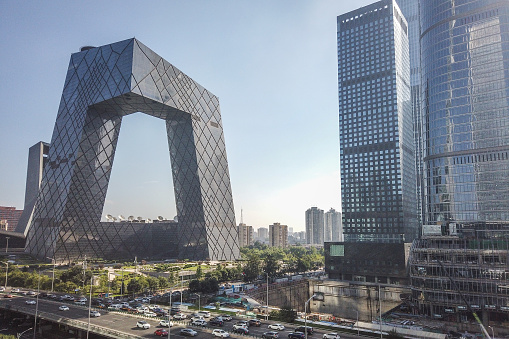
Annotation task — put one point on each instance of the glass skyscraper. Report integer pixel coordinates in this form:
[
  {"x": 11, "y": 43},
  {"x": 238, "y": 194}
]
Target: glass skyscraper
[
  {"x": 378, "y": 180},
  {"x": 465, "y": 106}
]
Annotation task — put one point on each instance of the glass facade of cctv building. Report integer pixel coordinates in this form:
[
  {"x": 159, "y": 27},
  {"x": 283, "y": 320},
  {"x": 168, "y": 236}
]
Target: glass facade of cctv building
[
  {"x": 102, "y": 85},
  {"x": 378, "y": 180}
]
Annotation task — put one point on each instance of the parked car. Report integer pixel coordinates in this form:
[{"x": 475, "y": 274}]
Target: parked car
[
  {"x": 278, "y": 327},
  {"x": 332, "y": 335},
  {"x": 302, "y": 328},
  {"x": 165, "y": 323},
  {"x": 242, "y": 322},
  {"x": 30, "y": 302},
  {"x": 188, "y": 332},
  {"x": 63, "y": 308},
  {"x": 220, "y": 333},
  {"x": 179, "y": 316},
  {"x": 216, "y": 322},
  {"x": 150, "y": 314},
  {"x": 241, "y": 330},
  {"x": 270, "y": 335},
  {"x": 143, "y": 324},
  {"x": 95, "y": 314},
  {"x": 296, "y": 335},
  {"x": 205, "y": 314},
  {"x": 161, "y": 332},
  {"x": 239, "y": 325},
  {"x": 197, "y": 318},
  {"x": 226, "y": 317},
  {"x": 254, "y": 322},
  {"x": 7, "y": 295},
  {"x": 199, "y": 322}
]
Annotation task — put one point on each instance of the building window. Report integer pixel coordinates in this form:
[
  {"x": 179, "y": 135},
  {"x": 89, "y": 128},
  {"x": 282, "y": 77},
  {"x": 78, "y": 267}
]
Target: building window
[{"x": 337, "y": 250}]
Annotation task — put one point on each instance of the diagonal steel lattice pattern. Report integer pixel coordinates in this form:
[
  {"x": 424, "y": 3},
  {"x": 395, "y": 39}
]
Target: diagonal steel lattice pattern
[{"x": 104, "y": 84}]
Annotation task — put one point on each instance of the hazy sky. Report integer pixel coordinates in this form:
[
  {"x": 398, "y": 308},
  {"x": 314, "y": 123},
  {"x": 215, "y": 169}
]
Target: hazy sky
[{"x": 271, "y": 63}]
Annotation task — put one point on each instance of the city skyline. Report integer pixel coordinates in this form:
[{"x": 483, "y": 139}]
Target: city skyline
[{"x": 226, "y": 52}]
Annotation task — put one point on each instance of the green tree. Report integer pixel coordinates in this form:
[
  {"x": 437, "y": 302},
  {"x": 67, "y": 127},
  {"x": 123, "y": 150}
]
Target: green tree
[
  {"x": 271, "y": 266},
  {"x": 163, "y": 282},
  {"x": 252, "y": 269},
  {"x": 134, "y": 286},
  {"x": 199, "y": 272},
  {"x": 287, "y": 314},
  {"x": 153, "y": 283}
]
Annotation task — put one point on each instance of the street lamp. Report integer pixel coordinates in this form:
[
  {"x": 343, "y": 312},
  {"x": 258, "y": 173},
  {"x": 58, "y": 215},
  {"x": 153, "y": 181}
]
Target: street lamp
[
  {"x": 199, "y": 303},
  {"x": 37, "y": 302},
  {"x": 306, "y": 316},
  {"x": 20, "y": 334},
  {"x": 492, "y": 333},
  {"x": 7, "y": 246},
  {"x": 53, "y": 275},
  {"x": 357, "y": 322}
]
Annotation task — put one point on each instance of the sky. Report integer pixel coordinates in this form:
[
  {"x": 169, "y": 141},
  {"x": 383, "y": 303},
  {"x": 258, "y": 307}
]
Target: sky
[{"x": 273, "y": 65}]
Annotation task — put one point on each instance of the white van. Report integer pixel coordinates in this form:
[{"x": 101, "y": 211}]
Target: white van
[{"x": 205, "y": 314}]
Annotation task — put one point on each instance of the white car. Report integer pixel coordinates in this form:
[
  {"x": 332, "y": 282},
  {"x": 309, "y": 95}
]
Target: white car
[
  {"x": 278, "y": 327},
  {"x": 63, "y": 308},
  {"x": 143, "y": 324},
  {"x": 199, "y": 322},
  {"x": 150, "y": 314},
  {"x": 188, "y": 332},
  {"x": 332, "y": 335},
  {"x": 237, "y": 326},
  {"x": 165, "y": 323},
  {"x": 220, "y": 333},
  {"x": 179, "y": 316},
  {"x": 95, "y": 314},
  {"x": 30, "y": 302}
]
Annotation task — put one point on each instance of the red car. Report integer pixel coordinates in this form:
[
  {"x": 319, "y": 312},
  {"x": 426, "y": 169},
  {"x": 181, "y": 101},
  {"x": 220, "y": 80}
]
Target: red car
[
  {"x": 161, "y": 332},
  {"x": 7, "y": 295}
]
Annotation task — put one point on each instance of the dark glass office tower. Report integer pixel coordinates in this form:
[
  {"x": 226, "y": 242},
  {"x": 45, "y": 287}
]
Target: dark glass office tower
[
  {"x": 378, "y": 181},
  {"x": 103, "y": 84},
  {"x": 465, "y": 106}
]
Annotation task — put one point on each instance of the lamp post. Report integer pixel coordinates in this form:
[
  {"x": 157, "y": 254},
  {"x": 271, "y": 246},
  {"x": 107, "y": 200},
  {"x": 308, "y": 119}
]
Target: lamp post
[
  {"x": 306, "y": 316},
  {"x": 89, "y": 305},
  {"x": 7, "y": 246},
  {"x": 199, "y": 303},
  {"x": 492, "y": 333},
  {"x": 357, "y": 322},
  {"x": 6, "y": 272},
  {"x": 37, "y": 301},
  {"x": 267, "y": 310},
  {"x": 20, "y": 334},
  {"x": 53, "y": 274}
]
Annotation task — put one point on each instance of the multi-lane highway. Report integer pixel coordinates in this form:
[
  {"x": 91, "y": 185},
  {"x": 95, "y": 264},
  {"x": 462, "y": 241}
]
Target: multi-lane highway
[{"x": 126, "y": 324}]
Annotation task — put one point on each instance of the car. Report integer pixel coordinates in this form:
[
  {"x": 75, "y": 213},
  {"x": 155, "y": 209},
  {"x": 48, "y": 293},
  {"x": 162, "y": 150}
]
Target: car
[
  {"x": 239, "y": 325},
  {"x": 30, "y": 302},
  {"x": 197, "y": 318},
  {"x": 254, "y": 322},
  {"x": 95, "y": 314},
  {"x": 243, "y": 323},
  {"x": 2, "y": 289},
  {"x": 296, "y": 335},
  {"x": 31, "y": 293},
  {"x": 270, "y": 335},
  {"x": 332, "y": 335},
  {"x": 165, "y": 323},
  {"x": 179, "y": 316},
  {"x": 216, "y": 322},
  {"x": 220, "y": 333},
  {"x": 161, "y": 332},
  {"x": 82, "y": 303},
  {"x": 143, "y": 324},
  {"x": 278, "y": 327},
  {"x": 63, "y": 308},
  {"x": 7, "y": 295},
  {"x": 199, "y": 322},
  {"x": 241, "y": 330},
  {"x": 301, "y": 329},
  {"x": 150, "y": 314},
  {"x": 188, "y": 332},
  {"x": 226, "y": 317},
  {"x": 16, "y": 290},
  {"x": 205, "y": 314}
]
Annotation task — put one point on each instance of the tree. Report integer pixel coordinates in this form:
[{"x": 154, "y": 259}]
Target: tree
[
  {"x": 163, "y": 282},
  {"x": 199, "y": 272},
  {"x": 194, "y": 286},
  {"x": 303, "y": 264},
  {"x": 153, "y": 283},
  {"x": 271, "y": 266},
  {"x": 287, "y": 314},
  {"x": 134, "y": 286},
  {"x": 252, "y": 269}
]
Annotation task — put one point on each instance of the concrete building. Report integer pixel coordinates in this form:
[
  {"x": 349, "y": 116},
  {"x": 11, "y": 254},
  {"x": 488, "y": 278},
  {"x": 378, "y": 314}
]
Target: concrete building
[
  {"x": 278, "y": 235},
  {"x": 378, "y": 180},
  {"x": 263, "y": 234},
  {"x": 245, "y": 235},
  {"x": 333, "y": 226},
  {"x": 314, "y": 226},
  {"x": 9, "y": 216}
]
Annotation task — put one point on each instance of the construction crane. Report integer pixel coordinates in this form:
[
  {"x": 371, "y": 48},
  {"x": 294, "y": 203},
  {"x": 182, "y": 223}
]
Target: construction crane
[{"x": 455, "y": 287}]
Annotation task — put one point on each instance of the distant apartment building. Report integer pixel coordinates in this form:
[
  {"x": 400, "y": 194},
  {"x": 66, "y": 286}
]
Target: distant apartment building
[
  {"x": 9, "y": 217},
  {"x": 333, "y": 227},
  {"x": 314, "y": 226},
  {"x": 245, "y": 235},
  {"x": 263, "y": 234},
  {"x": 278, "y": 235}
]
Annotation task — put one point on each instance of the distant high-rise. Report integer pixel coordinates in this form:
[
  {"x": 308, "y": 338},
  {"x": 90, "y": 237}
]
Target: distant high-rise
[
  {"x": 245, "y": 235},
  {"x": 378, "y": 181},
  {"x": 314, "y": 226},
  {"x": 263, "y": 234},
  {"x": 278, "y": 235},
  {"x": 333, "y": 227},
  {"x": 465, "y": 106}
]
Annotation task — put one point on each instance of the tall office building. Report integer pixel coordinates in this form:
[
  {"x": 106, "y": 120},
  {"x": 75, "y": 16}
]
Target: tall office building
[
  {"x": 263, "y": 234},
  {"x": 333, "y": 226},
  {"x": 278, "y": 235},
  {"x": 410, "y": 9},
  {"x": 314, "y": 226},
  {"x": 378, "y": 181},
  {"x": 465, "y": 104},
  {"x": 245, "y": 235}
]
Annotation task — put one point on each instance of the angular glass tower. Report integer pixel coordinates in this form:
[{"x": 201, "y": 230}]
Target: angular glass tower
[
  {"x": 104, "y": 84},
  {"x": 465, "y": 107},
  {"x": 378, "y": 181}
]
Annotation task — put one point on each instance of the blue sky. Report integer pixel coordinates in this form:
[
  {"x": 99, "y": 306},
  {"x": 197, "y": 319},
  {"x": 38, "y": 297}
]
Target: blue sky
[{"x": 271, "y": 63}]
